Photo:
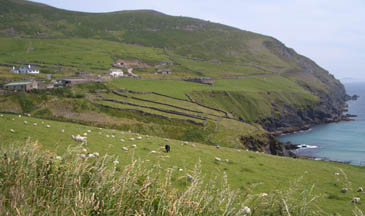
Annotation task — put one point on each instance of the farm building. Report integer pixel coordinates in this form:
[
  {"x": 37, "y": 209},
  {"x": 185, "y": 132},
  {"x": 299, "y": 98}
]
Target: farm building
[
  {"x": 21, "y": 86},
  {"x": 25, "y": 70},
  {"x": 164, "y": 71},
  {"x": 116, "y": 73}
]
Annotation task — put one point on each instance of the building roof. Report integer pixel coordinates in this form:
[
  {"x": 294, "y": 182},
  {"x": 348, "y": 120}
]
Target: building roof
[{"x": 17, "y": 83}]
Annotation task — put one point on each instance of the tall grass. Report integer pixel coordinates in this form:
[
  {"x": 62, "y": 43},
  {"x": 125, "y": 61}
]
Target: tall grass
[{"x": 37, "y": 182}]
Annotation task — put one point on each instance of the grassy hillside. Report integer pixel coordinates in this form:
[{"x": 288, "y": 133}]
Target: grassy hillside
[{"x": 246, "y": 171}]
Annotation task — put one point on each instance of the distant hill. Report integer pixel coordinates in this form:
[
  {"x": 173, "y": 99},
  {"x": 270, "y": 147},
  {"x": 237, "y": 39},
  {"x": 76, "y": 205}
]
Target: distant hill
[{"x": 92, "y": 41}]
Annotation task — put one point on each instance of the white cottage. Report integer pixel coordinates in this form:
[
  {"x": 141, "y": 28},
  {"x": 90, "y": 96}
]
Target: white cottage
[
  {"x": 25, "y": 70},
  {"x": 116, "y": 73}
]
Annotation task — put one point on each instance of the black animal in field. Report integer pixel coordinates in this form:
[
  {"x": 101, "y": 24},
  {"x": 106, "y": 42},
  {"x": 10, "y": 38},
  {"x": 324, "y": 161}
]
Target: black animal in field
[{"x": 167, "y": 148}]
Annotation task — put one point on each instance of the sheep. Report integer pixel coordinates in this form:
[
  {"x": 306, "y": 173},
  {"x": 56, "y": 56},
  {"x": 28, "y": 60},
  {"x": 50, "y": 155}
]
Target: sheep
[
  {"x": 344, "y": 190},
  {"x": 360, "y": 189},
  {"x": 35, "y": 124},
  {"x": 180, "y": 170},
  {"x": 13, "y": 119},
  {"x": 25, "y": 122},
  {"x": 100, "y": 128},
  {"x": 122, "y": 140},
  {"x": 89, "y": 131},
  {"x": 19, "y": 116},
  {"x": 58, "y": 157},
  {"x": 134, "y": 146},
  {"x": 82, "y": 156},
  {"x": 96, "y": 154},
  {"x": 12, "y": 131},
  {"x": 166, "y": 139},
  {"x": 84, "y": 150},
  {"x": 263, "y": 195},
  {"x": 239, "y": 150},
  {"x": 115, "y": 162},
  {"x": 132, "y": 139},
  {"x": 79, "y": 138},
  {"x": 48, "y": 126},
  {"x": 113, "y": 136},
  {"x": 107, "y": 136},
  {"x": 217, "y": 147},
  {"x": 84, "y": 134},
  {"x": 186, "y": 143},
  {"x": 337, "y": 174},
  {"x": 227, "y": 161},
  {"x": 193, "y": 145},
  {"x": 139, "y": 138},
  {"x": 153, "y": 152},
  {"x": 356, "y": 200},
  {"x": 125, "y": 148},
  {"x": 1, "y": 115},
  {"x": 91, "y": 155},
  {"x": 28, "y": 115},
  {"x": 63, "y": 131},
  {"x": 245, "y": 211},
  {"x": 167, "y": 148},
  {"x": 218, "y": 159}
]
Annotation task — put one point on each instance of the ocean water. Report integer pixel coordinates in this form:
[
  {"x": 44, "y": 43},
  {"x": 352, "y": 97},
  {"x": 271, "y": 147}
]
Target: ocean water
[{"x": 343, "y": 141}]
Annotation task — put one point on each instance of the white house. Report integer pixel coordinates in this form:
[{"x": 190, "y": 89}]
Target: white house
[
  {"x": 116, "y": 73},
  {"x": 25, "y": 70}
]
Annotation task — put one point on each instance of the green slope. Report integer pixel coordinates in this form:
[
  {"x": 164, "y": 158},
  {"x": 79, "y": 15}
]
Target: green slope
[{"x": 244, "y": 169}]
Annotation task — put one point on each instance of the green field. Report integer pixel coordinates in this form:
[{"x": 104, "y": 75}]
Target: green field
[{"x": 244, "y": 169}]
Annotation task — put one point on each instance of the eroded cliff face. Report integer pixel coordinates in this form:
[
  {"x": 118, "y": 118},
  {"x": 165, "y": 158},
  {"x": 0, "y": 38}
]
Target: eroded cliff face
[{"x": 330, "y": 91}]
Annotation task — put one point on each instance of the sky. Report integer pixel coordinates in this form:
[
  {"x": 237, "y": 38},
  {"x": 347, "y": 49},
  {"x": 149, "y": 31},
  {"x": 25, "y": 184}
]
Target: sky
[{"x": 330, "y": 32}]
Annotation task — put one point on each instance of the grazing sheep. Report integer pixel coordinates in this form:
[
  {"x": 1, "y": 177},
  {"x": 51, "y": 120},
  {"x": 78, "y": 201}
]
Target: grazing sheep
[
  {"x": 166, "y": 139},
  {"x": 262, "y": 195},
  {"x": 227, "y": 161},
  {"x": 48, "y": 126},
  {"x": 132, "y": 139},
  {"x": 180, "y": 170},
  {"x": 13, "y": 119},
  {"x": 356, "y": 200},
  {"x": 193, "y": 145},
  {"x": 115, "y": 162},
  {"x": 84, "y": 134},
  {"x": 19, "y": 116},
  {"x": 167, "y": 148},
  {"x": 139, "y": 138},
  {"x": 28, "y": 115},
  {"x": 217, "y": 146},
  {"x": 246, "y": 210},
  {"x": 107, "y": 136},
  {"x": 1, "y": 115},
  {"x": 83, "y": 156},
  {"x": 186, "y": 143},
  {"x": 122, "y": 140},
  {"x": 113, "y": 136},
  {"x": 134, "y": 146},
  {"x": 58, "y": 157},
  {"x": 153, "y": 152},
  {"x": 84, "y": 150},
  {"x": 239, "y": 150},
  {"x": 360, "y": 189},
  {"x": 125, "y": 148},
  {"x": 12, "y": 131},
  {"x": 344, "y": 190},
  {"x": 91, "y": 155},
  {"x": 63, "y": 131},
  {"x": 100, "y": 128},
  {"x": 89, "y": 131},
  {"x": 96, "y": 154},
  {"x": 190, "y": 178},
  {"x": 337, "y": 174},
  {"x": 79, "y": 138},
  {"x": 25, "y": 122},
  {"x": 35, "y": 124},
  {"x": 218, "y": 159}
]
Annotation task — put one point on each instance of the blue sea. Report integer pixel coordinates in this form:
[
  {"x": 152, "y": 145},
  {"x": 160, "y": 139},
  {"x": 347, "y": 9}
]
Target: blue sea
[{"x": 343, "y": 141}]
